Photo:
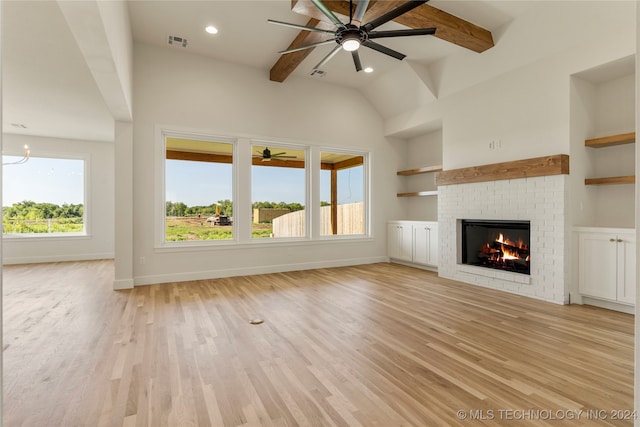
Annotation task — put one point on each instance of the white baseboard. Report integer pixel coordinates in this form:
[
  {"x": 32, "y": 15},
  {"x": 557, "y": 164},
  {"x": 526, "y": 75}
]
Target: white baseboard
[
  {"x": 609, "y": 305},
  {"x": 122, "y": 284},
  {"x": 412, "y": 264},
  {"x": 248, "y": 271},
  {"x": 57, "y": 258}
]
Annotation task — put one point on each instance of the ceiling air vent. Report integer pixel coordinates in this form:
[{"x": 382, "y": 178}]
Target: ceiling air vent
[
  {"x": 318, "y": 73},
  {"x": 177, "y": 41},
  {"x": 19, "y": 125}
]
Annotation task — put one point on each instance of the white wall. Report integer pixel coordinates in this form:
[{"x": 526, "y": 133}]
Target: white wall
[
  {"x": 99, "y": 205},
  {"x": 180, "y": 91},
  {"x": 526, "y": 110},
  {"x": 582, "y": 207}
]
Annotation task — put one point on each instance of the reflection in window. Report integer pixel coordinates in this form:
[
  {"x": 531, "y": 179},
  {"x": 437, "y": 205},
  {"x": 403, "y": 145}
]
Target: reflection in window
[
  {"x": 43, "y": 195},
  {"x": 342, "y": 190},
  {"x": 278, "y": 192},
  {"x": 198, "y": 190}
]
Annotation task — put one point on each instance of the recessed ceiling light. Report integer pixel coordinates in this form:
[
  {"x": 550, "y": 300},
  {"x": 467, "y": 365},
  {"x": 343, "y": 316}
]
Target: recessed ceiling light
[
  {"x": 211, "y": 29},
  {"x": 368, "y": 70}
]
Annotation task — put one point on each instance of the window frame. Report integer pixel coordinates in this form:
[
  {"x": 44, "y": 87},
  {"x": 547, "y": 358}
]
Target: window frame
[
  {"x": 274, "y": 145},
  {"x": 366, "y": 196},
  {"x": 161, "y": 237},
  {"x": 86, "y": 209},
  {"x": 242, "y": 191}
]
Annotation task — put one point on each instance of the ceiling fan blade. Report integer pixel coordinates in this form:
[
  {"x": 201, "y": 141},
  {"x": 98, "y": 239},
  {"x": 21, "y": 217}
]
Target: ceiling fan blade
[
  {"x": 350, "y": 11},
  {"x": 328, "y": 13},
  {"x": 299, "y": 27},
  {"x": 328, "y": 57},
  {"x": 383, "y": 49},
  {"x": 278, "y": 154},
  {"x": 284, "y": 157},
  {"x": 309, "y": 46},
  {"x": 402, "y": 33},
  {"x": 361, "y": 8},
  {"x": 392, "y": 14},
  {"x": 356, "y": 60}
]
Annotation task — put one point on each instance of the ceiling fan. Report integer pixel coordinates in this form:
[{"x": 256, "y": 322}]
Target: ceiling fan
[
  {"x": 266, "y": 155},
  {"x": 355, "y": 34}
]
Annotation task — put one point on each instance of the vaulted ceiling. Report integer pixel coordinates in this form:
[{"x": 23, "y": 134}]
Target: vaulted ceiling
[{"x": 48, "y": 88}]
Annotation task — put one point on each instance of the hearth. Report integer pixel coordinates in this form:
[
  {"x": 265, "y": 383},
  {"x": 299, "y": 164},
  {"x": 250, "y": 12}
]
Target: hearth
[{"x": 496, "y": 244}]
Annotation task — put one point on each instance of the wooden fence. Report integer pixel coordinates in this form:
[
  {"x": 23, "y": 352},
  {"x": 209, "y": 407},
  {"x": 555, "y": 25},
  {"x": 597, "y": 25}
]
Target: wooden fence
[{"x": 350, "y": 221}]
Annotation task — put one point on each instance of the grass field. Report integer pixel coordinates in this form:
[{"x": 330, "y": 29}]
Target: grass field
[
  {"x": 191, "y": 228},
  {"x": 42, "y": 226}
]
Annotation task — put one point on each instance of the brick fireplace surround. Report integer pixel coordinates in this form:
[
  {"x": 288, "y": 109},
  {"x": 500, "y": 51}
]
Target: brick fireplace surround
[{"x": 539, "y": 199}]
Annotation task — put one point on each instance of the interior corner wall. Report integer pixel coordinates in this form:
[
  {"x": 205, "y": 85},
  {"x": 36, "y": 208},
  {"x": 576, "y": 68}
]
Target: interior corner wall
[
  {"x": 582, "y": 207},
  {"x": 185, "y": 92},
  {"x": 99, "y": 244},
  {"x": 423, "y": 150}
]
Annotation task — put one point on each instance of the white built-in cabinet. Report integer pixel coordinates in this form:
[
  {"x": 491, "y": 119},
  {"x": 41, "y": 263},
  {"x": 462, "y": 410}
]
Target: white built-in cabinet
[
  {"x": 413, "y": 242},
  {"x": 606, "y": 264}
]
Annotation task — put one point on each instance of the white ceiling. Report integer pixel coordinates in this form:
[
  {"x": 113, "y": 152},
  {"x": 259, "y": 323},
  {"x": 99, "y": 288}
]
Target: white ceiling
[
  {"x": 247, "y": 38},
  {"x": 47, "y": 85}
]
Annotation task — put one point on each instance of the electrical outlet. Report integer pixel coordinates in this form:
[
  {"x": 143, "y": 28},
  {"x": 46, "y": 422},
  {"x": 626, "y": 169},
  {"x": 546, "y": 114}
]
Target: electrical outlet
[
  {"x": 492, "y": 145},
  {"x": 142, "y": 260}
]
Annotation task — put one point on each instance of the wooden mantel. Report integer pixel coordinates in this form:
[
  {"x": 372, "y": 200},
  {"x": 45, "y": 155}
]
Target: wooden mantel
[{"x": 540, "y": 166}]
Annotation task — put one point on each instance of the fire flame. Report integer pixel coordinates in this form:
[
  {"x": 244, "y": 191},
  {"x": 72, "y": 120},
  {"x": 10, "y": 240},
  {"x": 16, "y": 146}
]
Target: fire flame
[{"x": 519, "y": 244}]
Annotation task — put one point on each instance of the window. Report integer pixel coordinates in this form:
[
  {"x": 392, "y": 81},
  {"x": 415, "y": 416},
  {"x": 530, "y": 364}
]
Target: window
[
  {"x": 278, "y": 191},
  {"x": 342, "y": 194},
  {"x": 43, "y": 196},
  {"x": 198, "y": 189}
]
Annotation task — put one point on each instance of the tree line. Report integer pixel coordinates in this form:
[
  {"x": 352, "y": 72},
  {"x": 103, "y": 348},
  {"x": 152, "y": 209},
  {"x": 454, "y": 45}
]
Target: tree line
[
  {"x": 31, "y": 210},
  {"x": 226, "y": 208}
]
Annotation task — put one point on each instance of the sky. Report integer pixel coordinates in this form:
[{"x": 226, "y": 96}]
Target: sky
[
  {"x": 42, "y": 180},
  {"x": 61, "y": 181},
  {"x": 202, "y": 184}
]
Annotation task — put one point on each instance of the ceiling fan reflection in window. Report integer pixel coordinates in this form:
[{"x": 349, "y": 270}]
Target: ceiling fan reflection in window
[
  {"x": 355, "y": 34},
  {"x": 266, "y": 155}
]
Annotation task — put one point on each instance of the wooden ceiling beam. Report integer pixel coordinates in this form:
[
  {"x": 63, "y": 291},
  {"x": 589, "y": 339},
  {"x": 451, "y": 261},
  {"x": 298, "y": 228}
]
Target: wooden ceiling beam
[
  {"x": 287, "y": 63},
  {"x": 349, "y": 163},
  {"x": 449, "y": 28}
]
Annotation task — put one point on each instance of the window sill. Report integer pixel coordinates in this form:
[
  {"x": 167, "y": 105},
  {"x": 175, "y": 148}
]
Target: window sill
[
  {"x": 261, "y": 243},
  {"x": 46, "y": 236}
]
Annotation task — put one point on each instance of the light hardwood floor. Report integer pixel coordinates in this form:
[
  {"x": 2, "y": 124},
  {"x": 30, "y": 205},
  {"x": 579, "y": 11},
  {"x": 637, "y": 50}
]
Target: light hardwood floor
[{"x": 377, "y": 345}]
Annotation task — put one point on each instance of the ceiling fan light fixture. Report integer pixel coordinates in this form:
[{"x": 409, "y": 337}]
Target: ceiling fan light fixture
[
  {"x": 211, "y": 29},
  {"x": 350, "y": 45}
]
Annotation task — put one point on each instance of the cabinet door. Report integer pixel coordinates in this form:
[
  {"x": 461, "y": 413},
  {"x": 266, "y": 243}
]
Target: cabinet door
[
  {"x": 425, "y": 243},
  {"x": 433, "y": 245},
  {"x": 626, "y": 268},
  {"x": 406, "y": 242},
  {"x": 399, "y": 241},
  {"x": 420, "y": 244},
  {"x": 598, "y": 265},
  {"x": 393, "y": 240}
]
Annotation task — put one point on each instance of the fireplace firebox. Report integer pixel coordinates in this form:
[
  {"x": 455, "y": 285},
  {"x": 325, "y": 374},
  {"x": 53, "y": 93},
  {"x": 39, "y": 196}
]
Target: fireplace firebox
[{"x": 502, "y": 245}]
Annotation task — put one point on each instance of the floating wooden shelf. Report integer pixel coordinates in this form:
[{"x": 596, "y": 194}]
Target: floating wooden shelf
[
  {"x": 419, "y": 193},
  {"x": 540, "y": 166},
  {"x": 609, "y": 141},
  {"x": 417, "y": 171},
  {"x": 611, "y": 180}
]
